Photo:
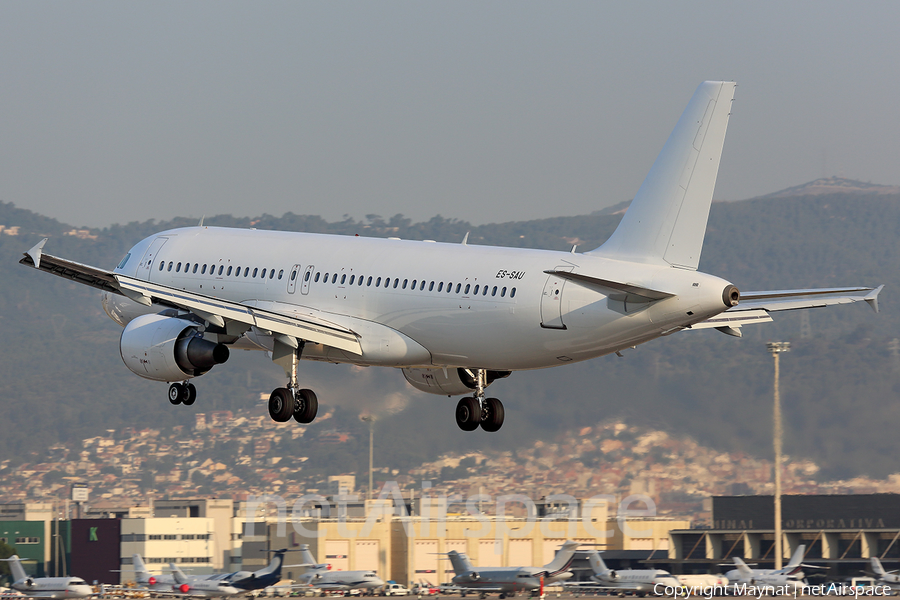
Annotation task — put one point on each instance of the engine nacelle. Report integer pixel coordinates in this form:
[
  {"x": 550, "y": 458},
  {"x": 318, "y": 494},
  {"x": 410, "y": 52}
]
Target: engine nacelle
[
  {"x": 453, "y": 382},
  {"x": 168, "y": 349}
]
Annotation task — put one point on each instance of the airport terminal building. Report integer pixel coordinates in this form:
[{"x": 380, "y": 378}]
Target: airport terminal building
[{"x": 840, "y": 532}]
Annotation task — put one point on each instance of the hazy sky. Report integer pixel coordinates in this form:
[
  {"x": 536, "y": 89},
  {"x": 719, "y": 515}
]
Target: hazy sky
[{"x": 487, "y": 111}]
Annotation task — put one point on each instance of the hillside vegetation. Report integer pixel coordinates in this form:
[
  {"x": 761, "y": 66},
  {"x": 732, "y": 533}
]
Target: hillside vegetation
[{"x": 63, "y": 379}]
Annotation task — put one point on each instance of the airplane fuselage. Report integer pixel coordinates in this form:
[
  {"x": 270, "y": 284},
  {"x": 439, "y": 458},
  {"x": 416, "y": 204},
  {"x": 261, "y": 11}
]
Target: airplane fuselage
[
  {"x": 54, "y": 587},
  {"x": 424, "y": 304}
]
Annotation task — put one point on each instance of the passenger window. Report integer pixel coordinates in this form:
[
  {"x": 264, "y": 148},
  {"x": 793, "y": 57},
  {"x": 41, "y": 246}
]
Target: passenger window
[
  {"x": 237, "y": 273},
  {"x": 246, "y": 271},
  {"x": 503, "y": 293},
  {"x": 475, "y": 293},
  {"x": 352, "y": 279},
  {"x": 494, "y": 293},
  {"x": 306, "y": 277},
  {"x": 458, "y": 285},
  {"x": 325, "y": 279},
  {"x": 203, "y": 270},
  {"x": 255, "y": 271},
  {"x": 512, "y": 293},
  {"x": 228, "y": 272},
  {"x": 280, "y": 274},
  {"x": 449, "y": 287},
  {"x": 178, "y": 268},
  {"x": 387, "y": 282},
  {"x": 272, "y": 274},
  {"x": 360, "y": 280},
  {"x": 484, "y": 291},
  {"x": 369, "y": 281},
  {"x": 431, "y": 287},
  {"x": 170, "y": 266},
  {"x": 413, "y": 286},
  {"x": 405, "y": 281},
  {"x": 422, "y": 286},
  {"x": 161, "y": 265},
  {"x": 396, "y": 283},
  {"x": 441, "y": 286},
  {"x": 334, "y": 278},
  {"x": 195, "y": 268},
  {"x": 317, "y": 278},
  {"x": 263, "y": 274},
  {"x": 343, "y": 278},
  {"x": 293, "y": 275},
  {"x": 467, "y": 288},
  {"x": 378, "y": 282},
  {"x": 221, "y": 268}
]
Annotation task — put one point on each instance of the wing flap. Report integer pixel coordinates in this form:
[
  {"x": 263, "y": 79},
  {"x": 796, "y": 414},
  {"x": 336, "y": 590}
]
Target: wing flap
[{"x": 318, "y": 332}]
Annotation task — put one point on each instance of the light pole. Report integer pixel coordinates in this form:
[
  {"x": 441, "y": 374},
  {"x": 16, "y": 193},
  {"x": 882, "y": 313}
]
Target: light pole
[
  {"x": 371, "y": 421},
  {"x": 775, "y": 349}
]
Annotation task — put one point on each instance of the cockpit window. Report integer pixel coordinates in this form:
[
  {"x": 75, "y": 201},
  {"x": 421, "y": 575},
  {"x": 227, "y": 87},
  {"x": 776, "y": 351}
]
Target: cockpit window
[{"x": 123, "y": 261}]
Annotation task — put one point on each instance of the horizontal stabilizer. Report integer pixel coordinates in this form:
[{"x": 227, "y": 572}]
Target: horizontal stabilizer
[
  {"x": 816, "y": 298},
  {"x": 642, "y": 294}
]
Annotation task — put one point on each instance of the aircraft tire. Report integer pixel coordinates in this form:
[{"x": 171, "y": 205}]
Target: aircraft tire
[
  {"x": 306, "y": 407},
  {"x": 176, "y": 393},
  {"x": 190, "y": 394},
  {"x": 468, "y": 413},
  {"x": 281, "y": 405},
  {"x": 492, "y": 416}
]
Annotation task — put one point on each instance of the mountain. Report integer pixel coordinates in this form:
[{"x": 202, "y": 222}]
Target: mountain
[{"x": 62, "y": 378}]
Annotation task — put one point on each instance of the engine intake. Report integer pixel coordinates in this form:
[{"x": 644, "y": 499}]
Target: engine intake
[{"x": 168, "y": 349}]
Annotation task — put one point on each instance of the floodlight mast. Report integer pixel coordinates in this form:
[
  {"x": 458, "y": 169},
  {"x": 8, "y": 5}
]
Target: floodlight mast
[{"x": 775, "y": 349}]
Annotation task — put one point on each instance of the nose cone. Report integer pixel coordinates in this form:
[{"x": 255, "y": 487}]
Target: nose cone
[
  {"x": 375, "y": 583},
  {"x": 79, "y": 591}
]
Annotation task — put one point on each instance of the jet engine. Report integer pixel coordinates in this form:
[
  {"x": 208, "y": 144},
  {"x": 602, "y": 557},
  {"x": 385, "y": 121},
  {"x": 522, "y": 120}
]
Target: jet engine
[
  {"x": 449, "y": 382},
  {"x": 168, "y": 348}
]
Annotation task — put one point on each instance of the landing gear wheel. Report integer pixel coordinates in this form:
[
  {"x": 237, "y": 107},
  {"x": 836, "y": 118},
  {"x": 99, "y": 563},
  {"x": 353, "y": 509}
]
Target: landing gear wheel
[
  {"x": 189, "y": 395},
  {"x": 176, "y": 393},
  {"x": 492, "y": 414},
  {"x": 468, "y": 413},
  {"x": 281, "y": 405},
  {"x": 306, "y": 405}
]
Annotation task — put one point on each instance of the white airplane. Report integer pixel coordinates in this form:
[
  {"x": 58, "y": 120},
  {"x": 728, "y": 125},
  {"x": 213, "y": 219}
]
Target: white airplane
[
  {"x": 888, "y": 578},
  {"x": 638, "y": 581},
  {"x": 453, "y": 317},
  {"x": 46, "y": 587},
  {"x": 790, "y": 577},
  {"x": 321, "y": 576},
  {"x": 509, "y": 580},
  {"x": 201, "y": 587},
  {"x": 221, "y": 584}
]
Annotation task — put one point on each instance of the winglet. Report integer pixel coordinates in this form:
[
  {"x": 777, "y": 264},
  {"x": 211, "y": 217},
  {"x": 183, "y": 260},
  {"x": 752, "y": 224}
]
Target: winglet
[
  {"x": 465, "y": 239},
  {"x": 872, "y": 298},
  {"x": 35, "y": 253}
]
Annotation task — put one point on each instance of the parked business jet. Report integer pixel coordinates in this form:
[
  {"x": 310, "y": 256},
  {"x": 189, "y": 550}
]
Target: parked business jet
[
  {"x": 221, "y": 584},
  {"x": 453, "y": 317},
  {"x": 321, "y": 576},
  {"x": 509, "y": 580},
  {"x": 790, "y": 577},
  {"x": 201, "y": 587},
  {"x": 46, "y": 587},
  {"x": 888, "y": 578},
  {"x": 638, "y": 581}
]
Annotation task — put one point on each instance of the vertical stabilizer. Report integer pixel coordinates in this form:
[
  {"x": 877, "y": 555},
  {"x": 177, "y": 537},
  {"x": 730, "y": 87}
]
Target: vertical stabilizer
[
  {"x": 743, "y": 570},
  {"x": 563, "y": 559},
  {"x": 877, "y": 568},
  {"x": 178, "y": 574},
  {"x": 597, "y": 564},
  {"x": 15, "y": 567},
  {"x": 666, "y": 222},
  {"x": 460, "y": 562},
  {"x": 141, "y": 574},
  {"x": 796, "y": 558}
]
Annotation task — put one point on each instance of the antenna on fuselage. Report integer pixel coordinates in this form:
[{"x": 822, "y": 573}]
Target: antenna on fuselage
[
  {"x": 200, "y": 224},
  {"x": 465, "y": 239}
]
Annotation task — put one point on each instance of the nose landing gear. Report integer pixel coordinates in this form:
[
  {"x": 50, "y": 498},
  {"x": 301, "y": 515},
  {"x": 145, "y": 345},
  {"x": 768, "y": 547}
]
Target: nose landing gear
[{"x": 476, "y": 410}]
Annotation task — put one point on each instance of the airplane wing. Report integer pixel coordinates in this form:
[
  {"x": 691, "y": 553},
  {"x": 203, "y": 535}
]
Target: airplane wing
[
  {"x": 755, "y": 307},
  {"x": 592, "y": 585},
  {"x": 214, "y": 310}
]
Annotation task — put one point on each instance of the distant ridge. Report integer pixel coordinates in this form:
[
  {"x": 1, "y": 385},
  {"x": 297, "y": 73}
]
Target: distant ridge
[{"x": 835, "y": 185}]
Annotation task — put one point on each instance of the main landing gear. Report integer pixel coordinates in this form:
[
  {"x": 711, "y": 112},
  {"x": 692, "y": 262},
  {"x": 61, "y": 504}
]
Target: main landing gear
[
  {"x": 291, "y": 401},
  {"x": 182, "y": 393},
  {"x": 476, "y": 410}
]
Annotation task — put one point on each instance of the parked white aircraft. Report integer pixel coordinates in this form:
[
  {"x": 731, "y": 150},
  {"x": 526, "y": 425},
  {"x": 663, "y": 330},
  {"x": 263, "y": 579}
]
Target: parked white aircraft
[
  {"x": 702, "y": 580},
  {"x": 453, "y": 317},
  {"x": 509, "y": 580},
  {"x": 888, "y": 578},
  {"x": 198, "y": 587},
  {"x": 790, "y": 577},
  {"x": 637, "y": 581},
  {"x": 220, "y": 584},
  {"x": 321, "y": 576},
  {"x": 46, "y": 587}
]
